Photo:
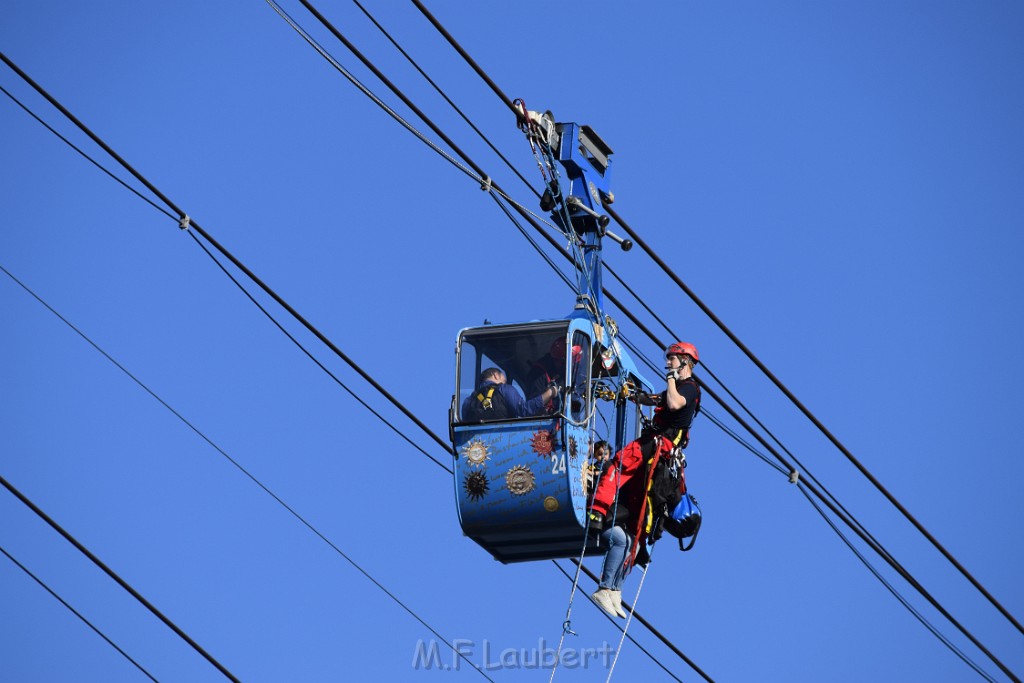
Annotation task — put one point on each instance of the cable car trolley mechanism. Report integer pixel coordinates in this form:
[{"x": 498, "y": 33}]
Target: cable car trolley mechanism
[{"x": 528, "y": 395}]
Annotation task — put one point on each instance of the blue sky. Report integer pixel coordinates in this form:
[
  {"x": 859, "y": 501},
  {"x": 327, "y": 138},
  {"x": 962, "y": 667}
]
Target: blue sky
[{"x": 840, "y": 182}]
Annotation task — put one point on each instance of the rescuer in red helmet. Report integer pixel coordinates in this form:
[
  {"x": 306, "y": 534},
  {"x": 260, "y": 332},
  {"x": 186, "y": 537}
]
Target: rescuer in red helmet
[
  {"x": 549, "y": 369},
  {"x": 619, "y": 508}
]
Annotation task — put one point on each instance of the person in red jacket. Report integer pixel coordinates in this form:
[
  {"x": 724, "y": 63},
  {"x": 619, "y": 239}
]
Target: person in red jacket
[{"x": 619, "y": 504}]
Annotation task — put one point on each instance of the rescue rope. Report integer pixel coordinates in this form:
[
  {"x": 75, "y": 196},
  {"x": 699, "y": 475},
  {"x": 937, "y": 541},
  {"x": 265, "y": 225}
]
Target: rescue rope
[
  {"x": 629, "y": 619},
  {"x": 567, "y": 624}
]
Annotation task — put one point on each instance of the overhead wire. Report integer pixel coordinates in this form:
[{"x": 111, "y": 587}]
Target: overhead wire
[
  {"x": 790, "y": 468},
  {"x": 706, "y": 369},
  {"x": 187, "y": 222},
  {"x": 857, "y": 528},
  {"x": 78, "y": 614},
  {"x": 90, "y": 159},
  {"x": 18, "y": 70},
  {"x": 113, "y": 575},
  {"x": 618, "y": 627},
  {"x": 844, "y": 515},
  {"x": 291, "y": 510},
  {"x": 316, "y": 360},
  {"x": 443, "y": 94},
  {"x": 817, "y": 423},
  {"x": 906, "y": 603},
  {"x": 746, "y": 351},
  {"x": 307, "y": 4}
]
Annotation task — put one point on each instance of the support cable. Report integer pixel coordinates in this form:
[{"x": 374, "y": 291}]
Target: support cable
[
  {"x": 519, "y": 208},
  {"x": 89, "y": 158},
  {"x": 617, "y": 626},
  {"x": 865, "y": 537},
  {"x": 251, "y": 476},
  {"x": 469, "y": 60},
  {"x": 121, "y": 582},
  {"x": 750, "y": 355},
  {"x": 244, "y": 269},
  {"x": 655, "y": 632},
  {"x": 78, "y": 614},
  {"x": 445, "y": 96},
  {"x": 313, "y": 358},
  {"x": 707, "y": 369},
  {"x": 814, "y": 420},
  {"x": 920, "y": 617},
  {"x": 848, "y": 519},
  {"x": 227, "y": 254}
]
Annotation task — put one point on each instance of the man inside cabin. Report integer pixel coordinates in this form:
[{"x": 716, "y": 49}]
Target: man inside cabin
[
  {"x": 495, "y": 399},
  {"x": 619, "y": 505}
]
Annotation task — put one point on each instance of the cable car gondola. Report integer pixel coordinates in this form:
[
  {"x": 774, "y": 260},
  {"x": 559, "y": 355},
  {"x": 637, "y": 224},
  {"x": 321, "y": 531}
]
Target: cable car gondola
[{"x": 521, "y": 480}]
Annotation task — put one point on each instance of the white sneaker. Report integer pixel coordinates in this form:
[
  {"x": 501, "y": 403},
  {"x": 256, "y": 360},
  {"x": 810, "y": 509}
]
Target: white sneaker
[
  {"x": 604, "y": 600},
  {"x": 617, "y": 603}
]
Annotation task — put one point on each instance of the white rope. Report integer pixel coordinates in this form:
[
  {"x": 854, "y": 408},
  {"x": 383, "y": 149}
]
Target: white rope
[
  {"x": 567, "y": 624},
  {"x": 629, "y": 620}
]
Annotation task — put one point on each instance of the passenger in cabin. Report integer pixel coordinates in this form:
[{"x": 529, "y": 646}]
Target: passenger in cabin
[
  {"x": 597, "y": 465},
  {"x": 550, "y": 369},
  {"x": 620, "y": 499},
  {"x": 495, "y": 399}
]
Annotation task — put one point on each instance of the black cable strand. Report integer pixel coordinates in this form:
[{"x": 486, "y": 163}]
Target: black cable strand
[
  {"x": 246, "y": 472},
  {"x": 227, "y": 254},
  {"x": 445, "y": 96},
  {"x": 852, "y": 523},
  {"x": 920, "y": 617},
  {"x": 469, "y": 60},
  {"x": 87, "y": 157},
  {"x": 199, "y": 229},
  {"x": 810, "y": 416},
  {"x": 77, "y": 614},
  {"x": 221, "y": 266},
  {"x": 244, "y": 269},
  {"x": 241, "y": 266},
  {"x": 866, "y": 538},
  {"x": 942, "y": 638},
  {"x": 313, "y": 358},
  {"x": 423, "y": 117},
  {"x": 612, "y": 298},
  {"x": 493, "y": 186},
  {"x": 391, "y": 86},
  {"x": 617, "y": 626},
  {"x": 650, "y": 627},
  {"x": 848, "y": 519},
  {"x": 121, "y": 582},
  {"x": 565, "y": 279},
  {"x": 764, "y": 369},
  {"x": 707, "y": 369}
]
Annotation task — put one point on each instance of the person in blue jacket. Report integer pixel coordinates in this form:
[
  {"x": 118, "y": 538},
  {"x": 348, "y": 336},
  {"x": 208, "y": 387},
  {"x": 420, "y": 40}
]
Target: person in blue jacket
[{"x": 495, "y": 399}]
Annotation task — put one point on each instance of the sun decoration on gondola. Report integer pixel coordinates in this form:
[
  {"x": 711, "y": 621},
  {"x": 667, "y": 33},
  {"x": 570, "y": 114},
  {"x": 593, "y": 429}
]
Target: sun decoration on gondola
[
  {"x": 476, "y": 485},
  {"x": 519, "y": 480},
  {"x": 542, "y": 442},
  {"x": 476, "y": 453}
]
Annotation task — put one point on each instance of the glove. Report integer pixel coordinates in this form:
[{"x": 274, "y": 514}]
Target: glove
[{"x": 672, "y": 374}]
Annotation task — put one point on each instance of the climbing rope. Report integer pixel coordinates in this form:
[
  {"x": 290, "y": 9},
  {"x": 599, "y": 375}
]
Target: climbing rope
[{"x": 629, "y": 619}]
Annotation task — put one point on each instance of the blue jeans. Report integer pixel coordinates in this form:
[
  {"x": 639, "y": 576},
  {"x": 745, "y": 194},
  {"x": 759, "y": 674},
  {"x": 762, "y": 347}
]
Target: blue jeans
[{"x": 614, "y": 572}]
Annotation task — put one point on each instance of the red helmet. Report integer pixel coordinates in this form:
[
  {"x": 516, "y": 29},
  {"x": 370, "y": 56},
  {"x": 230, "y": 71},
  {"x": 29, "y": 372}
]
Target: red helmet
[
  {"x": 683, "y": 349},
  {"x": 558, "y": 350}
]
